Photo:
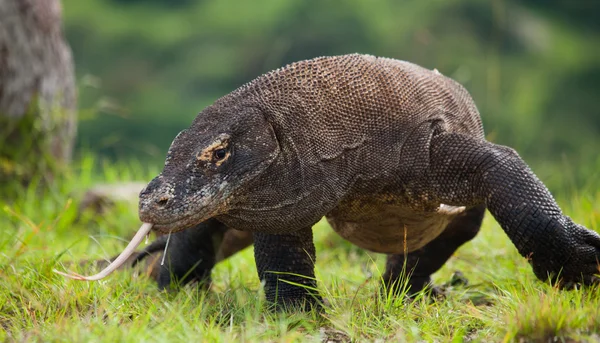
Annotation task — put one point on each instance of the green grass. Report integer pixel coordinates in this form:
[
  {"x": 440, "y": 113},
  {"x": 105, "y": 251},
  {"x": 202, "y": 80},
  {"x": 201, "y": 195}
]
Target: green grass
[{"x": 503, "y": 302}]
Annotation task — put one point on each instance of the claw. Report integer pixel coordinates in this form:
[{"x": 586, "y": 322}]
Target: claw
[{"x": 450, "y": 210}]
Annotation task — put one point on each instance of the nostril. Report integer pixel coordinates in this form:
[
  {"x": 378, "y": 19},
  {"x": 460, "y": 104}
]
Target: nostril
[{"x": 163, "y": 201}]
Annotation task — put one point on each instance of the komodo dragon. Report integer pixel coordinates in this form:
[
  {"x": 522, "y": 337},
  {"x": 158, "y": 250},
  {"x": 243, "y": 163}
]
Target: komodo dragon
[{"x": 392, "y": 154}]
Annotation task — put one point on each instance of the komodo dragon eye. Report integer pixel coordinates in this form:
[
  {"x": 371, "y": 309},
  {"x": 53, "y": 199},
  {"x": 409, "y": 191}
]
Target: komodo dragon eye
[{"x": 219, "y": 154}]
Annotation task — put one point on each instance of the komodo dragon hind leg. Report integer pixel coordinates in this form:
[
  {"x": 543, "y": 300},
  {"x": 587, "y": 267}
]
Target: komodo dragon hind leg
[
  {"x": 421, "y": 263},
  {"x": 468, "y": 171},
  {"x": 285, "y": 264}
]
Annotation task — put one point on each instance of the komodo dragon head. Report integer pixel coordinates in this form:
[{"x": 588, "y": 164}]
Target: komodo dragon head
[
  {"x": 228, "y": 144},
  {"x": 225, "y": 147}
]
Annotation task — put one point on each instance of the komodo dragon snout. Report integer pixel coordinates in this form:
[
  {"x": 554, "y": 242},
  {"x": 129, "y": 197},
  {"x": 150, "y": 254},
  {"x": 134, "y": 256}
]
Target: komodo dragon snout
[{"x": 206, "y": 164}]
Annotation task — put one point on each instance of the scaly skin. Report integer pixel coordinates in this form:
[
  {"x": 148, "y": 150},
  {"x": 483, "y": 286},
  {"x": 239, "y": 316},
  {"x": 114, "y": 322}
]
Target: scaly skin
[{"x": 378, "y": 146}]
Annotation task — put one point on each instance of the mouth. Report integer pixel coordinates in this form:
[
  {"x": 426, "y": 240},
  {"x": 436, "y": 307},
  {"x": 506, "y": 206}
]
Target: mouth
[
  {"x": 175, "y": 226},
  {"x": 180, "y": 224}
]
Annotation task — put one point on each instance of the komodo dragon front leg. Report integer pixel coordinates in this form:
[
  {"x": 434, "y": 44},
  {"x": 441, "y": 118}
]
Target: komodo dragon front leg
[
  {"x": 286, "y": 265},
  {"x": 466, "y": 171},
  {"x": 190, "y": 255}
]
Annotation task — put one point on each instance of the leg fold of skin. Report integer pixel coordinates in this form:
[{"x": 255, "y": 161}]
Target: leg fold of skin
[
  {"x": 190, "y": 255},
  {"x": 466, "y": 171},
  {"x": 420, "y": 264},
  {"x": 285, "y": 264}
]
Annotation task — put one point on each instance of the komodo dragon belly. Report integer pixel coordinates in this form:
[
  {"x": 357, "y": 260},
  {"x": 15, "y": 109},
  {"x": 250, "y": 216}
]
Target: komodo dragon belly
[{"x": 390, "y": 229}]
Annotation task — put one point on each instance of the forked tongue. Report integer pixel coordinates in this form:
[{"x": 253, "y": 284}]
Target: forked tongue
[{"x": 129, "y": 250}]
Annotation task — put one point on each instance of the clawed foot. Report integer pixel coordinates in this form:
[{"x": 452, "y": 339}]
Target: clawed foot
[
  {"x": 303, "y": 304},
  {"x": 291, "y": 298},
  {"x": 572, "y": 260}
]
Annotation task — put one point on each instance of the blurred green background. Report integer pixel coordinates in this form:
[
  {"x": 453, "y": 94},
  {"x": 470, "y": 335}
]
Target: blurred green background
[{"x": 147, "y": 67}]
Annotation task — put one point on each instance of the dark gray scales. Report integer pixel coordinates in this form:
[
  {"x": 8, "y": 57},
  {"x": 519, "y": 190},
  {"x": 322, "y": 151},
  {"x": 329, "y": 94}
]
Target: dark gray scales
[{"x": 383, "y": 149}]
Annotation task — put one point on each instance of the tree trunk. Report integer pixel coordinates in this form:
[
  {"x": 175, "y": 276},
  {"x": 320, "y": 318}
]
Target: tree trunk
[{"x": 37, "y": 91}]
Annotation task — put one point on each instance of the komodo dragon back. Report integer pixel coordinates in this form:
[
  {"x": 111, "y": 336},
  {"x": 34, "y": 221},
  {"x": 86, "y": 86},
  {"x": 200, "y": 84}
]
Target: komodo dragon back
[{"x": 331, "y": 104}]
